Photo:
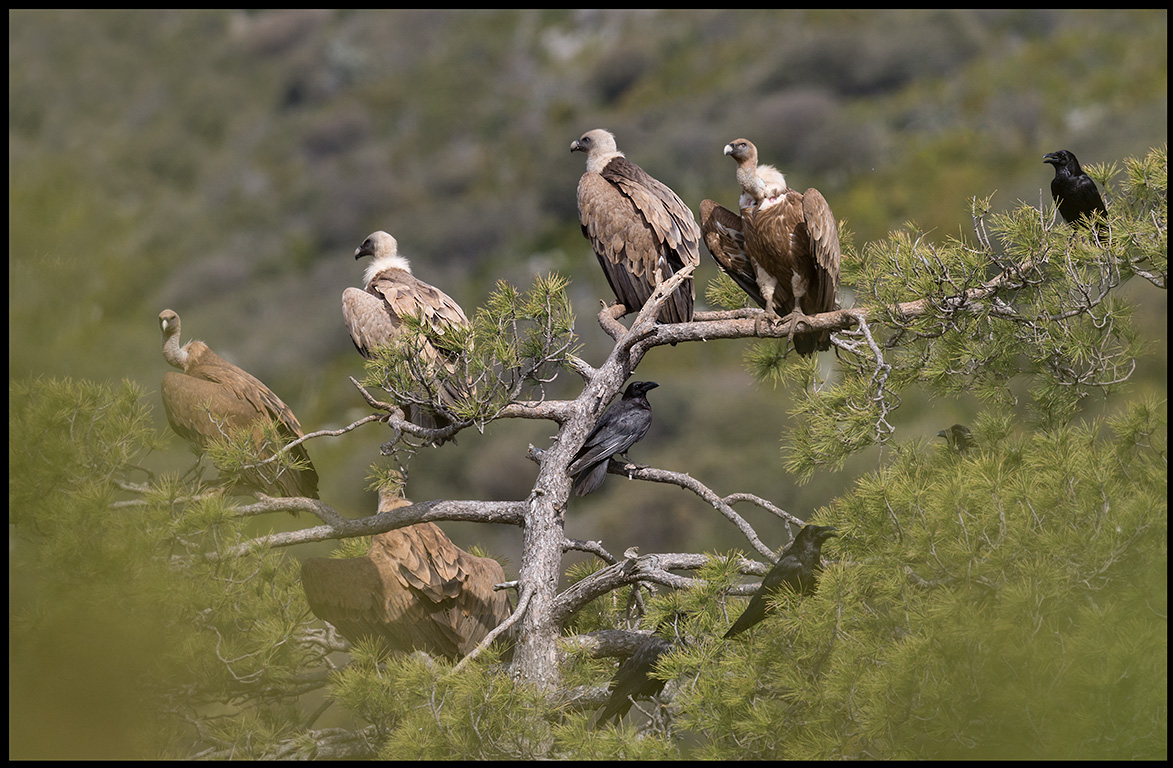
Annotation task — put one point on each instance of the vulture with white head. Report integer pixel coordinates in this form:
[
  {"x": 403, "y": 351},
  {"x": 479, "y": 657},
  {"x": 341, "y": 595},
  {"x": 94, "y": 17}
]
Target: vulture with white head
[
  {"x": 787, "y": 242},
  {"x": 212, "y": 399},
  {"x": 640, "y": 229},
  {"x": 413, "y": 590},
  {"x": 374, "y": 316}
]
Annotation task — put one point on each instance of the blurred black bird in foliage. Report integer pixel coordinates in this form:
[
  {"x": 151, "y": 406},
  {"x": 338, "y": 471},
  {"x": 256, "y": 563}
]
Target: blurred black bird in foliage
[
  {"x": 798, "y": 567},
  {"x": 1074, "y": 191},
  {"x": 958, "y": 437},
  {"x": 633, "y": 679},
  {"x": 623, "y": 425}
]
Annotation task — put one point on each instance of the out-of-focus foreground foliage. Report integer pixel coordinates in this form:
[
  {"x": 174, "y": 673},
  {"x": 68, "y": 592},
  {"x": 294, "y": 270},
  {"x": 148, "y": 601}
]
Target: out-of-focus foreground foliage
[{"x": 1010, "y": 601}]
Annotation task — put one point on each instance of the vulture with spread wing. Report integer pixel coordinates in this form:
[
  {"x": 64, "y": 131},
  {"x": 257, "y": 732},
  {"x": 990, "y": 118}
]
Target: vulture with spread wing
[
  {"x": 414, "y": 590},
  {"x": 785, "y": 242},
  {"x": 374, "y": 316},
  {"x": 212, "y": 399},
  {"x": 640, "y": 229}
]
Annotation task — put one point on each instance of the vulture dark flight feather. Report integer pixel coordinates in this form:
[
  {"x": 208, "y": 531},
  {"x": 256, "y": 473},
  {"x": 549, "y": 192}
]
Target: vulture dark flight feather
[
  {"x": 212, "y": 399},
  {"x": 623, "y": 425},
  {"x": 789, "y": 245},
  {"x": 640, "y": 230},
  {"x": 798, "y": 567},
  {"x": 374, "y": 316},
  {"x": 414, "y": 590},
  {"x": 1073, "y": 190}
]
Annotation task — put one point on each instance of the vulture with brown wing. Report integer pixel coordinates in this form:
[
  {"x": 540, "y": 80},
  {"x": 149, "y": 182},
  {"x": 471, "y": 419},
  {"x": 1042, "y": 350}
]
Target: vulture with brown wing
[
  {"x": 213, "y": 399},
  {"x": 374, "y": 316},
  {"x": 641, "y": 231},
  {"x": 414, "y": 590},
  {"x": 786, "y": 242}
]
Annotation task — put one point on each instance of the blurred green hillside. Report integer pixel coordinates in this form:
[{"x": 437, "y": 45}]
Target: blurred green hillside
[{"x": 226, "y": 164}]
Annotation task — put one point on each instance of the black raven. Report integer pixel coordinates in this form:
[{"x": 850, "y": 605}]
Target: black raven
[
  {"x": 622, "y": 426},
  {"x": 632, "y": 679},
  {"x": 958, "y": 437},
  {"x": 798, "y": 566},
  {"x": 1074, "y": 191}
]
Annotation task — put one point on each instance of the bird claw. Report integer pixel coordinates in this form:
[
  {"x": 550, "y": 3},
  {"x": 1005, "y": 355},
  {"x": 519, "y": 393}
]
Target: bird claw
[
  {"x": 796, "y": 318},
  {"x": 769, "y": 317}
]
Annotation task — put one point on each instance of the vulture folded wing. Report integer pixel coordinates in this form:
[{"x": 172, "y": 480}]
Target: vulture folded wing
[
  {"x": 247, "y": 388},
  {"x": 368, "y": 321},
  {"x": 425, "y": 559},
  {"x": 414, "y": 590},
  {"x": 726, "y": 242},
  {"x": 823, "y": 230},
  {"x": 670, "y": 219},
  {"x": 623, "y": 241},
  {"x": 348, "y": 594},
  {"x": 216, "y": 400}
]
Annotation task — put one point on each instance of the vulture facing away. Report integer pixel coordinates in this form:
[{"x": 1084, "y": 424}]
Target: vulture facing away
[
  {"x": 212, "y": 398},
  {"x": 414, "y": 590},
  {"x": 623, "y": 425},
  {"x": 374, "y": 315},
  {"x": 798, "y": 567},
  {"x": 1073, "y": 190},
  {"x": 782, "y": 249},
  {"x": 640, "y": 230}
]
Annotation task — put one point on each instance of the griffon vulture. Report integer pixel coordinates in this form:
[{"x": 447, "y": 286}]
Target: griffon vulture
[
  {"x": 798, "y": 567},
  {"x": 640, "y": 230},
  {"x": 213, "y": 398},
  {"x": 414, "y": 590},
  {"x": 1073, "y": 190},
  {"x": 623, "y": 425},
  {"x": 790, "y": 240},
  {"x": 374, "y": 316}
]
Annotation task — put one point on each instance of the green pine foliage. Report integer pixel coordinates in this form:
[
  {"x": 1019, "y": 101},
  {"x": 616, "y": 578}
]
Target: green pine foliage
[
  {"x": 127, "y": 609},
  {"x": 1002, "y": 600},
  {"x": 1027, "y": 304},
  {"x": 1009, "y": 602},
  {"x": 516, "y": 342}
]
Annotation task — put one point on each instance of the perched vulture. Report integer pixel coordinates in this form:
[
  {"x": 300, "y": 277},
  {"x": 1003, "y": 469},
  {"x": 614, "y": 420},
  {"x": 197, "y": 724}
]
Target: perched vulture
[
  {"x": 414, "y": 590},
  {"x": 640, "y": 230},
  {"x": 798, "y": 567},
  {"x": 374, "y": 316},
  {"x": 213, "y": 398},
  {"x": 633, "y": 679},
  {"x": 785, "y": 242},
  {"x": 1074, "y": 191},
  {"x": 623, "y": 425}
]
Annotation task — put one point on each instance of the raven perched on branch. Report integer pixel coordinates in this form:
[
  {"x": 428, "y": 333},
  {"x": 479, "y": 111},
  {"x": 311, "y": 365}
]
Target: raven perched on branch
[
  {"x": 798, "y": 567},
  {"x": 1074, "y": 191},
  {"x": 633, "y": 679},
  {"x": 622, "y": 426}
]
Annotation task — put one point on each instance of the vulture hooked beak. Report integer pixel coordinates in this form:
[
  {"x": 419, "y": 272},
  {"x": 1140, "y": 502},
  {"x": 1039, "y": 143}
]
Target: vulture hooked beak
[
  {"x": 729, "y": 149},
  {"x": 575, "y": 146}
]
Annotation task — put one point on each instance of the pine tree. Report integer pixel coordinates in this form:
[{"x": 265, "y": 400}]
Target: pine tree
[{"x": 1003, "y": 600}]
